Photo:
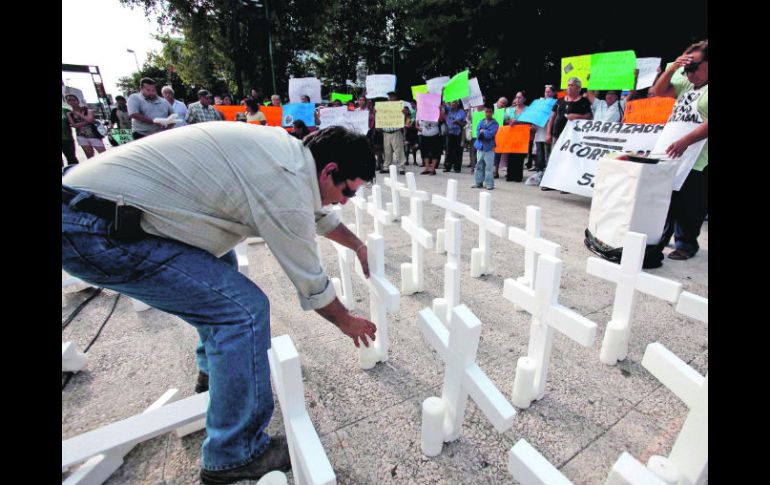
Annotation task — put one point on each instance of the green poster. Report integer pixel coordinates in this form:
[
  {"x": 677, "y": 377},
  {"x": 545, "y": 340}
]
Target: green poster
[
  {"x": 576, "y": 66},
  {"x": 457, "y": 87},
  {"x": 477, "y": 116},
  {"x": 422, "y": 88},
  {"x": 344, "y": 98},
  {"x": 612, "y": 70},
  {"x": 122, "y": 136}
]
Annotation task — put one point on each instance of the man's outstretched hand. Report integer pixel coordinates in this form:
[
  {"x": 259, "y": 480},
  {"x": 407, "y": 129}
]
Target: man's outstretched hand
[{"x": 357, "y": 328}]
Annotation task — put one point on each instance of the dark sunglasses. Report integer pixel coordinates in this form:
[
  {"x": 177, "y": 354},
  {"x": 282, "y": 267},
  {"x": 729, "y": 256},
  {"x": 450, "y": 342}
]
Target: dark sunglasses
[
  {"x": 692, "y": 67},
  {"x": 347, "y": 192}
]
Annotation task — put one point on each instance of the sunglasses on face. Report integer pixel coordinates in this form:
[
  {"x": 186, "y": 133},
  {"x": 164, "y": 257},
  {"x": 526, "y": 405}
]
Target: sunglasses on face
[
  {"x": 347, "y": 191},
  {"x": 692, "y": 67}
]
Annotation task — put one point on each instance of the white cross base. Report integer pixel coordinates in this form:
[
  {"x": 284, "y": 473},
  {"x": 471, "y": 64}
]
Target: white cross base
[
  {"x": 443, "y": 306},
  {"x": 71, "y": 359},
  {"x": 689, "y": 455},
  {"x": 309, "y": 462},
  {"x": 393, "y": 207},
  {"x": 534, "y": 245},
  {"x": 383, "y": 297},
  {"x": 412, "y": 273},
  {"x": 629, "y": 278},
  {"x": 453, "y": 209},
  {"x": 241, "y": 252},
  {"x": 547, "y": 315},
  {"x": 481, "y": 257},
  {"x": 693, "y": 306},
  {"x": 529, "y": 467},
  {"x": 462, "y": 378}
]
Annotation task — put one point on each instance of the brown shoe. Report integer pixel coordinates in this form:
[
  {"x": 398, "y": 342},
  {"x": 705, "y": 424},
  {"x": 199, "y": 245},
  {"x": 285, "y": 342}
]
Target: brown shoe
[
  {"x": 680, "y": 254},
  {"x": 275, "y": 457}
]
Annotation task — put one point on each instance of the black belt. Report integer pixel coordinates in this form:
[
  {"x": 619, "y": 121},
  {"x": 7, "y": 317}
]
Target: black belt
[{"x": 124, "y": 219}]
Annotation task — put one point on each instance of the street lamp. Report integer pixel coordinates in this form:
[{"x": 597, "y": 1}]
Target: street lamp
[
  {"x": 256, "y": 4},
  {"x": 392, "y": 48},
  {"x": 131, "y": 51}
]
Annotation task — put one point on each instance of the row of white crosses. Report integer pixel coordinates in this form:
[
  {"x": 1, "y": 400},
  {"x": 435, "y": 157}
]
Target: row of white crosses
[
  {"x": 687, "y": 464},
  {"x": 100, "y": 452}
]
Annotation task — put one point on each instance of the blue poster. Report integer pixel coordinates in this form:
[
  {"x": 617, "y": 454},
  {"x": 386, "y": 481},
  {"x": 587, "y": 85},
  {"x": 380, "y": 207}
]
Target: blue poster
[
  {"x": 538, "y": 112},
  {"x": 298, "y": 111}
]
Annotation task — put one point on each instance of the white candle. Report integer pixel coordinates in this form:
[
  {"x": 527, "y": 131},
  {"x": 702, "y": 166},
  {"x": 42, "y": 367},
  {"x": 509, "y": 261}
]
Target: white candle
[
  {"x": 523, "y": 383},
  {"x": 477, "y": 260},
  {"x": 432, "y": 437},
  {"x": 273, "y": 478},
  {"x": 440, "y": 249},
  {"x": 407, "y": 279},
  {"x": 440, "y": 309},
  {"x": 614, "y": 343},
  {"x": 664, "y": 469},
  {"x": 367, "y": 356}
]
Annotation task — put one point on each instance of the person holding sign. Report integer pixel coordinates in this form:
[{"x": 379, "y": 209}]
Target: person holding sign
[
  {"x": 455, "y": 120},
  {"x": 130, "y": 224},
  {"x": 393, "y": 140},
  {"x": 485, "y": 147},
  {"x": 515, "y": 171},
  {"x": 543, "y": 149},
  {"x": 689, "y": 205}
]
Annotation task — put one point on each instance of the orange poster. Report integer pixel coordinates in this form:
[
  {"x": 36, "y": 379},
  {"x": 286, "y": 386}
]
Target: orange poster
[
  {"x": 512, "y": 139},
  {"x": 560, "y": 94},
  {"x": 649, "y": 110},
  {"x": 229, "y": 111},
  {"x": 272, "y": 114}
]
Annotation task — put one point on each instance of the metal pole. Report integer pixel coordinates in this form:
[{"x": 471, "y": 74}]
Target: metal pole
[{"x": 270, "y": 46}]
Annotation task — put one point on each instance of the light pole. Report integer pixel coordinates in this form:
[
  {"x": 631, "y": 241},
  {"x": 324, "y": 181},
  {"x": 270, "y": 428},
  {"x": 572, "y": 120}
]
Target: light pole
[
  {"x": 269, "y": 38},
  {"x": 131, "y": 51}
]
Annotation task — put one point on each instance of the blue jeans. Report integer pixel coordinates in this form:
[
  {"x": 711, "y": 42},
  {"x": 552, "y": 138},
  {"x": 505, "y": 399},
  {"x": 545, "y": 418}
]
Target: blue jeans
[
  {"x": 485, "y": 166},
  {"x": 230, "y": 313}
]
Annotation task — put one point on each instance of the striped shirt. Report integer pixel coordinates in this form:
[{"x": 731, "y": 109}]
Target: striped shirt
[
  {"x": 211, "y": 185},
  {"x": 198, "y": 114}
]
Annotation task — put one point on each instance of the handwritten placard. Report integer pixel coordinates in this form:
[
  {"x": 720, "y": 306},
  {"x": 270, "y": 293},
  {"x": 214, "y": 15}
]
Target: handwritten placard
[
  {"x": 575, "y": 66},
  {"x": 389, "y": 114},
  {"x": 357, "y": 121},
  {"x": 298, "y": 111},
  {"x": 379, "y": 85},
  {"x": 304, "y": 86},
  {"x": 612, "y": 70},
  {"x": 474, "y": 98},
  {"x": 229, "y": 112},
  {"x": 436, "y": 84},
  {"x": 648, "y": 70},
  {"x": 421, "y": 88},
  {"x": 428, "y": 106},
  {"x": 538, "y": 112},
  {"x": 512, "y": 139},
  {"x": 272, "y": 114},
  {"x": 649, "y": 110}
]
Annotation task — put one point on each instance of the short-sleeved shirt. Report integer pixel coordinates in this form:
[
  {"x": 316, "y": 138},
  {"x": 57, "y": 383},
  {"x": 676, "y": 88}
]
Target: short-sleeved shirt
[
  {"x": 563, "y": 107},
  {"x": 181, "y": 111},
  {"x": 211, "y": 185},
  {"x": 429, "y": 128},
  {"x": 258, "y": 116},
  {"x": 197, "y": 113},
  {"x": 603, "y": 112},
  {"x": 457, "y": 115},
  {"x": 686, "y": 94},
  {"x": 120, "y": 117},
  {"x": 151, "y": 108}
]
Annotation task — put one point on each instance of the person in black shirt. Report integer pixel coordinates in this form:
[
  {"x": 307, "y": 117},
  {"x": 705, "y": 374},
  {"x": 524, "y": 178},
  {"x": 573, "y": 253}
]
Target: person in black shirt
[{"x": 570, "y": 107}]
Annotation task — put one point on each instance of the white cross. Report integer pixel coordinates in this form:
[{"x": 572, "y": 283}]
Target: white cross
[
  {"x": 462, "y": 376},
  {"x": 241, "y": 252},
  {"x": 71, "y": 359},
  {"x": 360, "y": 205},
  {"x": 693, "y": 306},
  {"x": 629, "y": 278},
  {"x": 133, "y": 430},
  {"x": 383, "y": 297},
  {"x": 374, "y": 209},
  {"x": 443, "y": 306},
  {"x": 689, "y": 455},
  {"x": 394, "y": 207},
  {"x": 453, "y": 209},
  {"x": 529, "y": 467},
  {"x": 412, "y": 273},
  {"x": 343, "y": 286},
  {"x": 547, "y": 315},
  {"x": 481, "y": 257},
  {"x": 533, "y": 244},
  {"x": 309, "y": 462}
]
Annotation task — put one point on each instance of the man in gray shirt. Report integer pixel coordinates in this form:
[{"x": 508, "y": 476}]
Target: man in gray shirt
[
  {"x": 184, "y": 198},
  {"x": 145, "y": 106}
]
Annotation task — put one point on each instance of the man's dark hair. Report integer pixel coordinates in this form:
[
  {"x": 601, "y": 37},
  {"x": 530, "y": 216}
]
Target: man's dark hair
[
  {"x": 350, "y": 151},
  {"x": 702, "y": 46},
  {"x": 251, "y": 103},
  {"x": 119, "y": 97},
  {"x": 146, "y": 80},
  {"x": 203, "y": 92},
  {"x": 392, "y": 93},
  {"x": 489, "y": 106}
]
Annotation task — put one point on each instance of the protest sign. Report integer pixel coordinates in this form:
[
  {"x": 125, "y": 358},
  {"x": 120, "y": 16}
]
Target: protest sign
[
  {"x": 648, "y": 110},
  {"x": 344, "y": 98},
  {"x": 512, "y": 139},
  {"x": 379, "y": 85},
  {"x": 612, "y": 70},
  {"x": 298, "y": 111},
  {"x": 477, "y": 116},
  {"x": 357, "y": 121},
  {"x": 272, "y": 114},
  {"x": 457, "y": 87},
  {"x": 576, "y": 66},
  {"x": 304, "y": 86},
  {"x": 436, "y": 84},
  {"x": 648, "y": 69},
  {"x": 229, "y": 112},
  {"x": 499, "y": 115},
  {"x": 560, "y": 94},
  {"x": 122, "y": 136},
  {"x": 538, "y": 112},
  {"x": 388, "y": 114},
  {"x": 573, "y": 161},
  {"x": 673, "y": 131},
  {"x": 428, "y": 106},
  {"x": 474, "y": 98},
  {"x": 422, "y": 88}
]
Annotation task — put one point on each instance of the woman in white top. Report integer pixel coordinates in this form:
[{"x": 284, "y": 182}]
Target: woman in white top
[
  {"x": 608, "y": 109},
  {"x": 543, "y": 149}
]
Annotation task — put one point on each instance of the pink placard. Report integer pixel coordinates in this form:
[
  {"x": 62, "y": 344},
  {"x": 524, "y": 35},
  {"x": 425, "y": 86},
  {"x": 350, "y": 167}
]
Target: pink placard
[{"x": 428, "y": 106}]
